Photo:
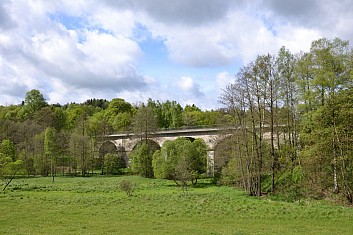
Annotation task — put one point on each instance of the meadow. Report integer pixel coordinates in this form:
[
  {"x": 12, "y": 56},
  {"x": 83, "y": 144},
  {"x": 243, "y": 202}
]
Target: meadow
[{"x": 95, "y": 205}]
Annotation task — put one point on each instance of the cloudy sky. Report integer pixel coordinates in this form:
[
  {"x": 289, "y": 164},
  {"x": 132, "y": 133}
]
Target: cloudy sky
[{"x": 183, "y": 50}]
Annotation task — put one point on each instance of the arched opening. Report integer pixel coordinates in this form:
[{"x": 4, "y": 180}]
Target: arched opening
[
  {"x": 151, "y": 143},
  {"x": 112, "y": 159},
  {"x": 190, "y": 138}
]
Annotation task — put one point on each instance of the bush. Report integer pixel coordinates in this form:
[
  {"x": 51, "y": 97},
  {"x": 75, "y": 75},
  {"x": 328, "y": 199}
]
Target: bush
[{"x": 127, "y": 186}]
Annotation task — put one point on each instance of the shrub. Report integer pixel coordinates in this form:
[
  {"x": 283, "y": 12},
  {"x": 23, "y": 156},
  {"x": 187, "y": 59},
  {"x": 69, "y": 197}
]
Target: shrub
[{"x": 127, "y": 186}]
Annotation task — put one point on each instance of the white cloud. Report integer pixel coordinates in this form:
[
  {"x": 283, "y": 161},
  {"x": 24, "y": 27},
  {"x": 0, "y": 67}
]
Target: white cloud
[
  {"x": 119, "y": 22},
  {"x": 185, "y": 83},
  {"x": 224, "y": 79},
  {"x": 77, "y": 49},
  {"x": 42, "y": 53}
]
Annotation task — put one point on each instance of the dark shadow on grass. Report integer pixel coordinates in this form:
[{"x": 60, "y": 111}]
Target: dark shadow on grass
[{"x": 203, "y": 183}]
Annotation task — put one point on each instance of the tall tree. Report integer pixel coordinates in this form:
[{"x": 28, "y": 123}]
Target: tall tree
[
  {"x": 35, "y": 100},
  {"x": 145, "y": 122},
  {"x": 286, "y": 64},
  {"x": 141, "y": 158},
  {"x": 51, "y": 150},
  {"x": 81, "y": 145},
  {"x": 330, "y": 71}
]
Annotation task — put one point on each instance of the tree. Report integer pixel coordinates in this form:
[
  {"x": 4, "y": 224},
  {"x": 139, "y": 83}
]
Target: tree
[
  {"x": 119, "y": 113},
  {"x": 9, "y": 167},
  {"x": 7, "y": 149},
  {"x": 169, "y": 113},
  {"x": 99, "y": 128},
  {"x": 113, "y": 163},
  {"x": 164, "y": 160},
  {"x": 34, "y": 101},
  {"x": 50, "y": 116},
  {"x": 81, "y": 146},
  {"x": 288, "y": 113},
  {"x": 107, "y": 149},
  {"x": 141, "y": 158},
  {"x": 51, "y": 150},
  {"x": 73, "y": 113},
  {"x": 198, "y": 158},
  {"x": 158, "y": 164},
  {"x": 145, "y": 122},
  {"x": 330, "y": 73},
  {"x": 127, "y": 186},
  {"x": 9, "y": 170},
  {"x": 181, "y": 160},
  {"x": 118, "y": 105},
  {"x": 251, "y": 100},
  {"x": 121, "y": 122},
  {"x": 344, "y": 135}
]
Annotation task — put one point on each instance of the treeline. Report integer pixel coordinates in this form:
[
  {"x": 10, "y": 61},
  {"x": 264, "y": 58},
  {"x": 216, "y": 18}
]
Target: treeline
[
  {"x": 294, "y": 114},
  {"x": 51, "y": 139}
]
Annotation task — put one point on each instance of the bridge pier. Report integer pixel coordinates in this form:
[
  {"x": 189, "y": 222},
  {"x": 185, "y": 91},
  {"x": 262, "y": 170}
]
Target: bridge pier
[{"x": 210, "y": 163}]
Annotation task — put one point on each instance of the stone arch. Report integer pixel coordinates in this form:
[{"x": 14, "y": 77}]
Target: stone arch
[
  {"x": 111, "y": 147},
  {"x": 150, "y": 142},
  {"x": 107, "y": 147},
  {"x": 192, "y": 139}
]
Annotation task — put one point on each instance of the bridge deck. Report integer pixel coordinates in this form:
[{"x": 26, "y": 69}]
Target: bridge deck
[{"x": 176, "y": 132}]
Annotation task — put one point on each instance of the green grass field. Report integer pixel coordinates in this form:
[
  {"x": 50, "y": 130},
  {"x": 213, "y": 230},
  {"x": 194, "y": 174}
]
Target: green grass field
[{"x": 95, "y": 205}]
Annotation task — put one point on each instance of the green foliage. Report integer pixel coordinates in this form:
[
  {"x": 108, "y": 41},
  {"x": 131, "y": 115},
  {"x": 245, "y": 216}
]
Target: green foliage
[
  {"x": 127, "y": 186},
  {"x": 181, "y": 160},
  {"x": 50, "y": 142},
  {"x": 169, "y": 113},
  {"x": 73, "y": 113},
  {"x": 7, "y": 149},
  {"x": 164, "y": 160},
  {"x": 290, "y": 185},
  {"x": 34, "y": 101},
  {"x": 230, "y": 174},
  {"x": 145, "y": 122},
  {"x": 158, "y": 164},
  {"x": 118, "y": 105},
  {"x": 121, "y": 122},
  {"x": 100, "y": 103},
  {"x": 120, "y": 113},
  {"x": 141, "y": 159},
  {"x": 113, "y": 163},
  {"x": 9, "y": 170},
  {"x": 51, "y": 151},
  {"x": 99, "y": 124}
]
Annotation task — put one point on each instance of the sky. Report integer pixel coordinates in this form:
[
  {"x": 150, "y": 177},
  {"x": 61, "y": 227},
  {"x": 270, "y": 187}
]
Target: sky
[{"x": 183, "y": 50}]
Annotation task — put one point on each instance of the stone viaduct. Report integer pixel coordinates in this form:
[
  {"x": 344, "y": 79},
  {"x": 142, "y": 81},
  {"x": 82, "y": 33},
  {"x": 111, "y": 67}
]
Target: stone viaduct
[{"x": 211, "y": 136}]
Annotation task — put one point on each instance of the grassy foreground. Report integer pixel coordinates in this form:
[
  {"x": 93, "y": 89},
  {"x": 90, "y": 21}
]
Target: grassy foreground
[{"x": 96, "y": 206}]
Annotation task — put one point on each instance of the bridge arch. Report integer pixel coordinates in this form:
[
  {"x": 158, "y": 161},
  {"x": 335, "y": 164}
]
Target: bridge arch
[
  {"x": 110, "y": 147},
  {"x": 151, "y": 142}
]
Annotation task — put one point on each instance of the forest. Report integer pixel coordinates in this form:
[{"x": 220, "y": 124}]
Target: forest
[{"x": 293, "y": 131}]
